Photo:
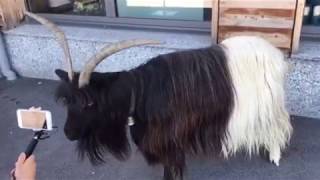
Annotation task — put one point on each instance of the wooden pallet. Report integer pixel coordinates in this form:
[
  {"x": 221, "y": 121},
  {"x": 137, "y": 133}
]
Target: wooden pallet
[
  {"x": 11, "y": 13},
  {"x": 278, "y": 21},
  {"x": 1, "y": 19}
]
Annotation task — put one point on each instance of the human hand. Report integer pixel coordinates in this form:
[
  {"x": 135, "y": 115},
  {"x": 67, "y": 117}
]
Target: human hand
[{"x": 25, "y": 169}]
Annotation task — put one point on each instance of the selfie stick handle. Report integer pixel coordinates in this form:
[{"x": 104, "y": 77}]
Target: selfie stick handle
[{"x": 32, "y": 145}]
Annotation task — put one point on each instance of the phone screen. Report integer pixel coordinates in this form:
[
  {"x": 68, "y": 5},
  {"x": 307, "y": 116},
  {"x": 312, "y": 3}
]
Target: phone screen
[{"x": 36, "y": 120}]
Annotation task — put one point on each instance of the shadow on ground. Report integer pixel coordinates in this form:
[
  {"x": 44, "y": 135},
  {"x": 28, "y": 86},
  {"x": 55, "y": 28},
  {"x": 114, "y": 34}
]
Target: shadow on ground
[{"x": 57, "y": 159}]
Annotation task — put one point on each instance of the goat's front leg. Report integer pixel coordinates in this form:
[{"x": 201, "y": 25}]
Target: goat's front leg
[
  {"x": 167, "y": 173},
  {"x": 172, "y": 173}
]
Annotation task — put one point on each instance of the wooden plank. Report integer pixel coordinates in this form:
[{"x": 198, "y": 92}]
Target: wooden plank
[
  {"x": 286, "y": 52},
  {"x": 215, "y": 21},
  {"x": 279, "y": 37},
  {"x": 1, "y": 22},
  {"x": 297, "y": 25},
  {"x": 265, "y": 4},
  {"x": 1, "y": 19},
  {"x": 253, "y": 17},
  {"x": 288, "y": 13},
  {"x": 12, "y": 11}
]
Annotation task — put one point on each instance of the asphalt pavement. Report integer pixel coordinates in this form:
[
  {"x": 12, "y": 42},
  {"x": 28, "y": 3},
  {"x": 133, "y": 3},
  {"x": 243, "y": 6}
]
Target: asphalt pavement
[{"x": 57, "y": 159}]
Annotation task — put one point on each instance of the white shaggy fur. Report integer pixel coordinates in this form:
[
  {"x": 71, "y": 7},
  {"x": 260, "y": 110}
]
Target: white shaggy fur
[{"x": 260, "y": 118}]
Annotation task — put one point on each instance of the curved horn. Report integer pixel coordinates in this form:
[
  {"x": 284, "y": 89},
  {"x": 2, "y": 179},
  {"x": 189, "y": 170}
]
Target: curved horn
[
  {"x": 60, "y": 38},
  {"x": 108, "y": 51}
]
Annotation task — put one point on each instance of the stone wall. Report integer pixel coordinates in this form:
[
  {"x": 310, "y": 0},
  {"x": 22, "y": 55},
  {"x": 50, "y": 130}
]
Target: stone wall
[{"x": 34, "y": 53}]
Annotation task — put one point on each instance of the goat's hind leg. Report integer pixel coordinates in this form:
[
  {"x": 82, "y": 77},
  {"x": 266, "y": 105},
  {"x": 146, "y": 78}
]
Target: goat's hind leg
[{"x": 275, "y": 154}]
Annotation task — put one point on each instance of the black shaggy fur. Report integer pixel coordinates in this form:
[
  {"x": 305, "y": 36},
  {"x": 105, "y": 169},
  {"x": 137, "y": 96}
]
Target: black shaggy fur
[{"x": 183, "y": 101}]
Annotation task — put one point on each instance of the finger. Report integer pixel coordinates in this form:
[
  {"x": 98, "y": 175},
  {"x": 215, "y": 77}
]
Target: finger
[
  {"x": 12, "y": 174},
  {"x": 21, "y": 158},
  {"x": 30, "y": 160}
]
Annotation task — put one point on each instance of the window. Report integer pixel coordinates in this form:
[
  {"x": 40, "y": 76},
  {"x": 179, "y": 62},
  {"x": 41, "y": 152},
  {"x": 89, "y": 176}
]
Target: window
[
  {"x": 311, "y": 21},
  {"x": 312, "y": 13},
  {"x": 71, "y": 7},
  {"x": 193, "y": 15},
  {"x": 185, "y": 15},
  {"x": 195, "y": 10}
]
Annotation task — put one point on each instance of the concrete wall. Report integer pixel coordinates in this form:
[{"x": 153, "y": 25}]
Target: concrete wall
[
  {"x": 34, "y": 53},
  {"x": 5, "y": 68},
  {"x": 303, "y": 85}
]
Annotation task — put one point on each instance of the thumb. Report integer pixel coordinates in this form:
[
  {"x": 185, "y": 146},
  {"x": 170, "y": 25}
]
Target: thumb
[{"x": 21, "y": 158}]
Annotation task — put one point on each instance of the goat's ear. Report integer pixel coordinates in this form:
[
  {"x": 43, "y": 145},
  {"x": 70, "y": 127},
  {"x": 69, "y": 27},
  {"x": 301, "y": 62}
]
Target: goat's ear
[{"x": 63, "y": 75}]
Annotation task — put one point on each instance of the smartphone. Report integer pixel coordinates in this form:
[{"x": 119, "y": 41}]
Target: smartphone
[{"x": 34, "y": 119}]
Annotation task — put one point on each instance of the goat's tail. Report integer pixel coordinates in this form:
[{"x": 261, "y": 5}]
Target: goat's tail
[{"x": 260, "y": 118}]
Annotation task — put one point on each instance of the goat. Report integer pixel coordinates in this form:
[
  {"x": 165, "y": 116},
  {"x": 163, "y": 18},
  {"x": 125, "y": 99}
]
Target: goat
[{"x": 220, "y": 99}]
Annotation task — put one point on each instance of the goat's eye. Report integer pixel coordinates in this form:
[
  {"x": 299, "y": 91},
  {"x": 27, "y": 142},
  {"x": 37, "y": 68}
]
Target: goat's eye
[
  {"x": 87, "y": 105},
  {"x": 90, "y": 104},
  {"x": 63, "y": 100}
]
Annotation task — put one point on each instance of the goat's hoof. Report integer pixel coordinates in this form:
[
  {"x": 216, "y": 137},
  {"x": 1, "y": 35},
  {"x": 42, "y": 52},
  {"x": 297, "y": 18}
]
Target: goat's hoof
[
  {"x": 275, "y": 163},
  {"x": 275, "y": 155}
]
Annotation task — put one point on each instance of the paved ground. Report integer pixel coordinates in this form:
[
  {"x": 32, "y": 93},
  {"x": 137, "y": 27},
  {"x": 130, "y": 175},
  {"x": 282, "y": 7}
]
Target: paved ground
[{"x": 57, "y": 159}]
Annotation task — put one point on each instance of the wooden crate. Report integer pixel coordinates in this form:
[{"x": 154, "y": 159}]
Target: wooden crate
[
  {"x": 1, "y": 19},
  {"x": 11, "y": 13},
  {"x": 278, "y": 21}
]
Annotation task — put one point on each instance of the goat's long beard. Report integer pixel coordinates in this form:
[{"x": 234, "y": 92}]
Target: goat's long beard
[
  {"x": 90, "y": 147},
  {"x": 95, "y": 144}
]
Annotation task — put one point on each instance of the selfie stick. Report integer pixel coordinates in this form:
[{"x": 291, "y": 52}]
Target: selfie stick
[{"x": 32, "y": 145}]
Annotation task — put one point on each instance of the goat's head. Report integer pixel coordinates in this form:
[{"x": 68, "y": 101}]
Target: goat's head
[
  {"x": 81, "y": 104},
  {"x": 81, "y": 93},
  {"x": 86, "y": 106},
  {"x": 90, "y": 113}
]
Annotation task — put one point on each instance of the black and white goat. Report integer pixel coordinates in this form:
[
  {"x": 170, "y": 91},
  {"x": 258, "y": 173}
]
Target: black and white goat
[{"x": 224, "y": 98}]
